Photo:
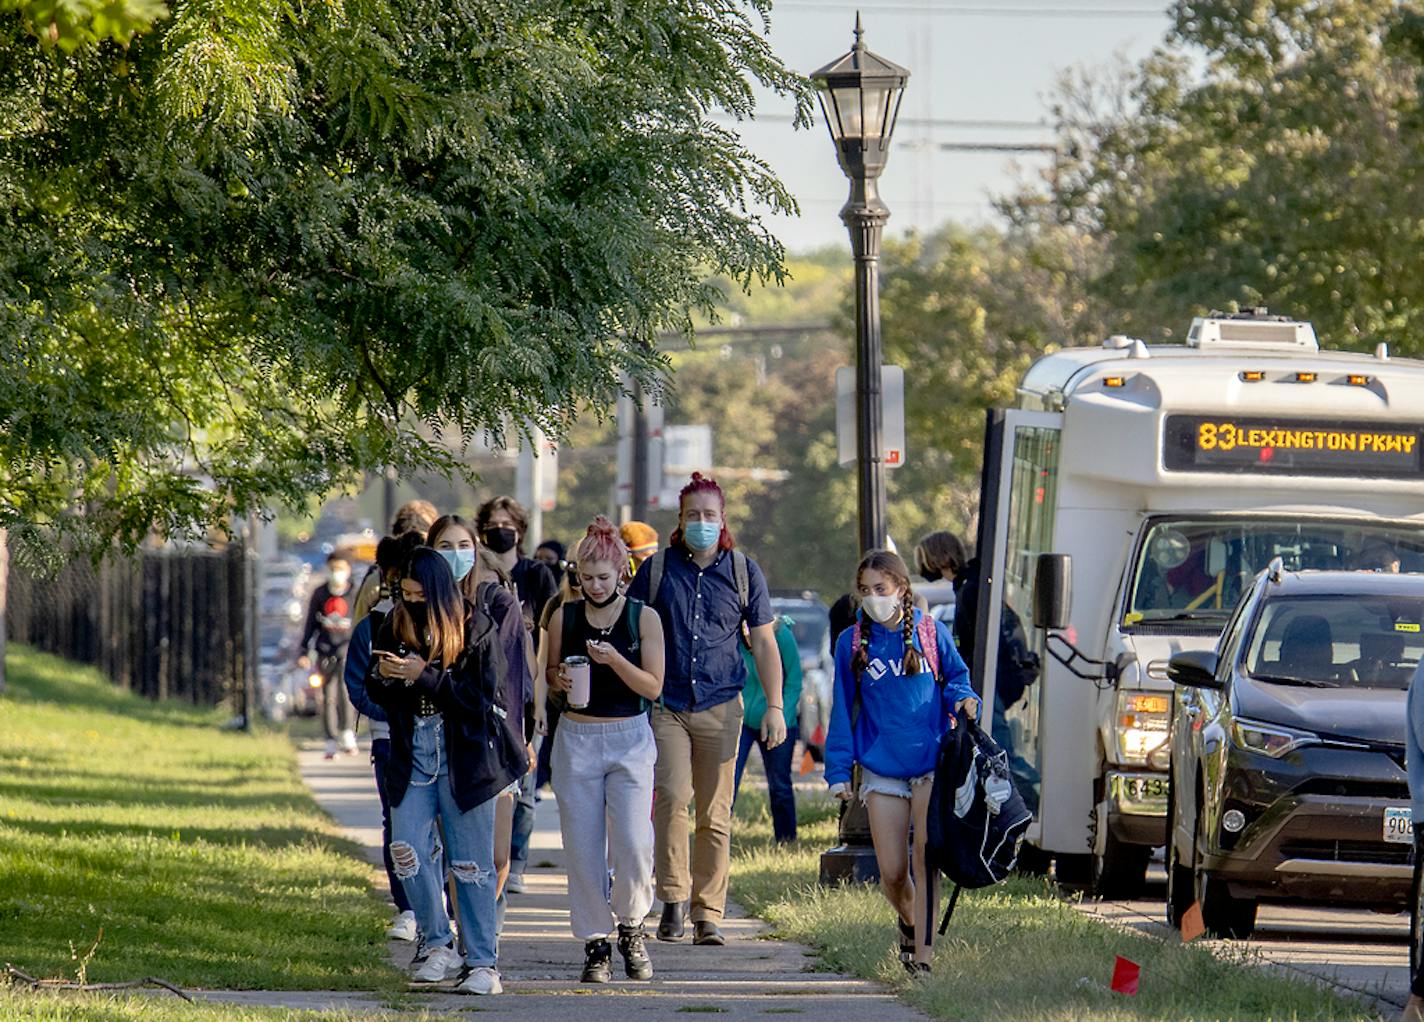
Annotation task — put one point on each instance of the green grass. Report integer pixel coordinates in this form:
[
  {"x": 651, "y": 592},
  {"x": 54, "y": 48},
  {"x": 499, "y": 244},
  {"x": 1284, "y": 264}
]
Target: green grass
[
  {"x": 1017, "y": 951},
  {"x": 68, "y": 1006},
  {"x": 185, "y": 852}
]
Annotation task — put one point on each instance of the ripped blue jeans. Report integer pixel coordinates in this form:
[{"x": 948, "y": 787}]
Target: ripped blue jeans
[{"x": 469, "y": 850}]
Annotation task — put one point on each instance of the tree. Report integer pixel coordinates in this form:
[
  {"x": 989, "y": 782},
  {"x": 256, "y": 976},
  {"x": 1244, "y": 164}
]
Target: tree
[
  {"x": 1280, "y": 170},
  {"x": 267, "y": 247}
]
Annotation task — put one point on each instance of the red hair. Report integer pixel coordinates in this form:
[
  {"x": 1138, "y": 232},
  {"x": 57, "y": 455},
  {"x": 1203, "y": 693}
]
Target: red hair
[
  {"x": 602, "y": 544},
  {"x": 703, "y": 484}
]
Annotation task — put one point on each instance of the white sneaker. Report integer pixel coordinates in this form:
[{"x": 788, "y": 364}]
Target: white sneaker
[
  {"x": 514, "y": 884},
  {"x": 482, "y": 980},
  {"x": 402, "y": 927},
  {"x": 330, "y": 748},
  {"x": 348, "y": 741},
  {"x": 443, "y": 963}
]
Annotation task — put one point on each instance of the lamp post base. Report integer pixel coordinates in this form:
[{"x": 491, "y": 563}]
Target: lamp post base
[{"x": 849, "y": 864}]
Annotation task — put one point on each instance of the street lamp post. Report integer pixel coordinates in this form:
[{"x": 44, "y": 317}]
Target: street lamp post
[{"x": 860, "y": 96}]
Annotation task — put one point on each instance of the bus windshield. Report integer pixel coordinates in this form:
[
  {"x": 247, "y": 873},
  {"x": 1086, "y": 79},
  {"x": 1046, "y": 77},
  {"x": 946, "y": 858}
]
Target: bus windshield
[{"x": 1196, "y": 569}]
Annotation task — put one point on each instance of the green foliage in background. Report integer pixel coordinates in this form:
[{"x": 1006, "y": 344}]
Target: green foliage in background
[{"x": 266, "y": 246}]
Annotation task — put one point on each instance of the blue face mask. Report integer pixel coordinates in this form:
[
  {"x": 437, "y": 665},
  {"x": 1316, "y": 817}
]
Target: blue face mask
[
  {"x": 460, "y": 561},
  {"x": 702, "y": 535}
]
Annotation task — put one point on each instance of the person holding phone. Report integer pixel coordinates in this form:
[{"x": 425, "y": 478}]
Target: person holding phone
[
  {"x": 603, "y": 756},
  {"x": 434, "y": 672}
]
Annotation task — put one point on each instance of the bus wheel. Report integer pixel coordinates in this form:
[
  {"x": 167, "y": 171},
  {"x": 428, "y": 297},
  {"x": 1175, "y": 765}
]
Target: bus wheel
[
  {"x": 1121, "y": 871},
  {"x": 1032, "y": 861}
]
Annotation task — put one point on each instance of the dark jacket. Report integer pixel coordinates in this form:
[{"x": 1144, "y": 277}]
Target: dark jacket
[{"x": 465, "y": 696}]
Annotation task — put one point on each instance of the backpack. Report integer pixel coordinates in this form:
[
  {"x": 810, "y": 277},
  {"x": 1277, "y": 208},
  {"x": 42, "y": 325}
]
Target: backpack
[
  {"x": 969, "y": 839},
  {"x": 741, "y": 577},
  {"x": 506, "y": 758},
  {"x": 1018, "y": 665}
]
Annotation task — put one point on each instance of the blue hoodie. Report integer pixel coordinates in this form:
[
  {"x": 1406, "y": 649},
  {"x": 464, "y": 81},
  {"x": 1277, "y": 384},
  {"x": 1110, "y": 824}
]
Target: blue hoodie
[
  {"x": 1414, "y": 744},
  {"x": 901, "y": 719}
]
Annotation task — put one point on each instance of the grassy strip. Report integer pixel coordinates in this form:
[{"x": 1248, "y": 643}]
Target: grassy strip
[
  {"x": 1017, "y": 951},
  {"x": 136, "y": 839},
  {"x": 16, "y": 1006}
]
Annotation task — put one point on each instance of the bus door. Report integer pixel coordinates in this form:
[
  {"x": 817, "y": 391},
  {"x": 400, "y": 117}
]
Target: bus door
[{"x": 1018, "y": 504}]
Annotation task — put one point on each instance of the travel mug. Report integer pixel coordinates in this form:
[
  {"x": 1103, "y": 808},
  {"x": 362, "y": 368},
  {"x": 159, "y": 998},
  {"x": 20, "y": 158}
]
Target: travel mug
[{"x": 578, "y": 668}]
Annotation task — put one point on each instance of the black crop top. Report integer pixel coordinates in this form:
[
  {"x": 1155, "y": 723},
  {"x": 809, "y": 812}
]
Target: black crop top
[{"x": 608, "y": 695}]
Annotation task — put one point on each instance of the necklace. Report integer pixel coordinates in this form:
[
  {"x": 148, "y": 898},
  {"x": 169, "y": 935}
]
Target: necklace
[{"x": 615, "y": 605}]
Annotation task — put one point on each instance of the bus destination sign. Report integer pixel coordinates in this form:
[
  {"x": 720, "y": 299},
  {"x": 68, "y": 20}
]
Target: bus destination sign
[{"x": 1209, "y": 443}]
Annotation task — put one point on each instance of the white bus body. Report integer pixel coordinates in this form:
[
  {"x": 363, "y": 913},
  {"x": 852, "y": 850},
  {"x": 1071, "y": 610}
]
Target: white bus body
[{"x": 1167, "y": 473}]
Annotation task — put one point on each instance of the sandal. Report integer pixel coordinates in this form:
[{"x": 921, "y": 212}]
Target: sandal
[{"x": 907, "y": 943}]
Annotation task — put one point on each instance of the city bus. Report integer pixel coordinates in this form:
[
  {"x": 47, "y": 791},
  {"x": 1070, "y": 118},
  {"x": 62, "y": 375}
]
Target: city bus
[{"x": 1144, "y": 486}]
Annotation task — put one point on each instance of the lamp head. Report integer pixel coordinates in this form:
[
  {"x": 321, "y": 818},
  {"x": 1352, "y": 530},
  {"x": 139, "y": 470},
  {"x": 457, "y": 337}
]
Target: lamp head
[{"x": 860, "y": 95}]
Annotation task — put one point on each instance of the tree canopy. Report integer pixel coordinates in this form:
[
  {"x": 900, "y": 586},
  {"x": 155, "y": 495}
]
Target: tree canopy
[{"x": 265, "y": 246}]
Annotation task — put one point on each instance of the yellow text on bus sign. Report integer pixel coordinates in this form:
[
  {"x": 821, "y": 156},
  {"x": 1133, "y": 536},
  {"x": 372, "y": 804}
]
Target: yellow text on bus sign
[{"x": 1226, "y": 436}]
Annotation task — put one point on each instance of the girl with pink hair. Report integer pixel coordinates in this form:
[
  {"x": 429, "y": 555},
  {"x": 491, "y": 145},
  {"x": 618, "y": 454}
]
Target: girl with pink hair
[{"x": 604, "y": 753}]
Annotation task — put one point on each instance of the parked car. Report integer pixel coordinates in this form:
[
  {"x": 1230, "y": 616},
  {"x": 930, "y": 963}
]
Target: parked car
[
  {"x": 811, "y": 624},
  {"x": 1287, "y": 749}
]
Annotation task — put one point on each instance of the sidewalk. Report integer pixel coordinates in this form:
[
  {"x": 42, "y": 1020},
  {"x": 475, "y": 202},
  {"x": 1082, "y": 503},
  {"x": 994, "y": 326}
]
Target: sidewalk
[{"x": 539, "y": 959}]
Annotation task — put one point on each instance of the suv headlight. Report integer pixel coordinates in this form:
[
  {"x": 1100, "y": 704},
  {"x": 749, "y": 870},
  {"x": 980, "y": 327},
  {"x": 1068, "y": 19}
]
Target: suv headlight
[
  {"x": 1269, "y": 739},
  {"x": 1141, "y": 725}
]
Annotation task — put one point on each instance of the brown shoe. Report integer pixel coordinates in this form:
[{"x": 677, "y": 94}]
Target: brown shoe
[{"x": 705, "y": 932}]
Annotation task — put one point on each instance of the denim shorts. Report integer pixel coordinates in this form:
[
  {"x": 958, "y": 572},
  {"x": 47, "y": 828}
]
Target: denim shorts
[{"x": 899, "y": 787}]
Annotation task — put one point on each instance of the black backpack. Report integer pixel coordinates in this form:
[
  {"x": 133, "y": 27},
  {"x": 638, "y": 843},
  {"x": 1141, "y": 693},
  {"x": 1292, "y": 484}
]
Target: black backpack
[
  {"x": 966, "y": 840},
  {"x": 506, "y": 757}
]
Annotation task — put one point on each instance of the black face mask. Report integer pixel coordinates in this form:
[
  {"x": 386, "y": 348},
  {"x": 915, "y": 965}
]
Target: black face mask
[
  {"x": 418, "y": 616},
  {"x": 594, "y": 603},
  {"x": 501, "y": 541},
  {"x": 931, "y": 574}
]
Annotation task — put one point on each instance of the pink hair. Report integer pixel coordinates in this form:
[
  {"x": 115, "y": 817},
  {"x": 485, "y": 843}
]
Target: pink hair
[
  {"x": 704, "y": 484},
  {"x": 602, "y": 544}
]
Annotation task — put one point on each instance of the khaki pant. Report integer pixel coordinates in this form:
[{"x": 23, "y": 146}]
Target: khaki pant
[{"x": 697, "y": 759}]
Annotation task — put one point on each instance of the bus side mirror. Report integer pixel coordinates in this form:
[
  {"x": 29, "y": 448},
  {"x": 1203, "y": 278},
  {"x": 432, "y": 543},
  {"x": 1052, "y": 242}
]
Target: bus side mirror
[{"x": 1052, "y": 591}]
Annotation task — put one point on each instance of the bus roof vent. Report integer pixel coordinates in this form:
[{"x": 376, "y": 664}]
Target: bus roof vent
[{"x": 1255, "y": 331}]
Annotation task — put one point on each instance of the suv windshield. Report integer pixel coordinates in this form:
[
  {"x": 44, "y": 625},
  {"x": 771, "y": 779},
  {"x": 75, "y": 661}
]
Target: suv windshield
[
  {"x": 1354, "y": 641},
  {"x": 1197, "y": 568},
  {"x": 809, "y": 621}
]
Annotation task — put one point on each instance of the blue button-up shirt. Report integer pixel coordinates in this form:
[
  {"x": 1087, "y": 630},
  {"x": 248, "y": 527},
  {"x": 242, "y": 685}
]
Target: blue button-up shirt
[{"x": 702, "y": 619}]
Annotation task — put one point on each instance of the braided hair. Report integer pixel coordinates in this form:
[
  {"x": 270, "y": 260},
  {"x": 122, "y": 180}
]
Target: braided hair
[{"x": 891, "y": 564}]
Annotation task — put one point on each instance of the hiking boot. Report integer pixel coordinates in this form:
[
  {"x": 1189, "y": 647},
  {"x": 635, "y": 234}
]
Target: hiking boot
[
  {"x": 480, "y": 980},
  {"x": 597, "y": 961},
  {"x": 632, "y": 945},
  {"x": 674, "y": 921}
]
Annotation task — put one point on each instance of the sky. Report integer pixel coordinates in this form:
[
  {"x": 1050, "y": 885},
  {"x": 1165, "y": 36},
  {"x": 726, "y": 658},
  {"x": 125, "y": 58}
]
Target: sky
[{"x": 970, "y": 61}]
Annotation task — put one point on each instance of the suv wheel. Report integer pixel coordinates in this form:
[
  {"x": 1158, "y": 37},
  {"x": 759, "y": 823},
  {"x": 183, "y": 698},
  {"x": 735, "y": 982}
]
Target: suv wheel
[
  {"x": 1223, "y": 914},
  {"x": 1180, "y": 890},
  {"x": 1416, "y": 919}
]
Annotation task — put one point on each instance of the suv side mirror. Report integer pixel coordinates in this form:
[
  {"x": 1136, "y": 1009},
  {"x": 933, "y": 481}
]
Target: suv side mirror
[
  {"x": 1052, "y": 591},
  {"x": 1194, "y": 668}
]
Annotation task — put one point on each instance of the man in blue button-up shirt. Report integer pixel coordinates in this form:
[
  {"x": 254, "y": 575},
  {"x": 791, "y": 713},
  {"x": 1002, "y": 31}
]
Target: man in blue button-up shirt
[{"x": 698, "y": 721}]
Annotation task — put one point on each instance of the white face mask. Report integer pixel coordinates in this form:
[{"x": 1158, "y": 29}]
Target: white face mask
[{"x": 881, "y": 608}]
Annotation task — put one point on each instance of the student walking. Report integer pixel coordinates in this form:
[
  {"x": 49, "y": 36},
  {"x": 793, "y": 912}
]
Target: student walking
[
  {"x": 1414, "y": 762},
  {"x": 603, "y": 754},
  {"x": 328, "y": 625},
  {"x": 775, "y": 761},
  {"x": 391, "y": 553},
  {"x": 436, "y": 673},
  {"x": 703, "y": 589},
  {"x": 899, "y": 686}
]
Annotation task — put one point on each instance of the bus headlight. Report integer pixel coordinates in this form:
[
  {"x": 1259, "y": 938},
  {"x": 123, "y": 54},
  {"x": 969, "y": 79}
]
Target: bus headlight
[{"x": 1140, "y": 725}]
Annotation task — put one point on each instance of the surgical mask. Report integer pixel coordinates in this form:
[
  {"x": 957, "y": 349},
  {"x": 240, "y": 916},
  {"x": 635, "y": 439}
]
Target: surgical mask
[
  {"x": 339, "y": 580},
  {"x": 460, "y": 561},
  {"x": 702, "y": 535},
  {"x": 881, "y": 608},
  {"x": 501, "y": 541}
]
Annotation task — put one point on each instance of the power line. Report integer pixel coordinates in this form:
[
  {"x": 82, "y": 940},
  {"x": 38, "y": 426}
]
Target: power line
[
  {"x": 984, "y": 12},
  {"x": 912, "y": 122}
]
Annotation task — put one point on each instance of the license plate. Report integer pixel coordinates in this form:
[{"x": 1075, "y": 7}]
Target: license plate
[{"x": 1398, "y": 827}]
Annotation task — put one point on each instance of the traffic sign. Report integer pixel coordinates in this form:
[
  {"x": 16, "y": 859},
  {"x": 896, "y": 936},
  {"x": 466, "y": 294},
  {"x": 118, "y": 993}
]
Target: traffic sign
[{"x": 892, "y": 411}]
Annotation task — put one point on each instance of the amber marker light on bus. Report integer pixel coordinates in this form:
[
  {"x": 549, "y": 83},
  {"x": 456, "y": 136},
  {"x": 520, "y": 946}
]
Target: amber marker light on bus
[
  {"x": 1252, "y": 375},
  {"x": 1356, "y": 380},
  {"x": 1305, "y": 377},
  {"x": 1114, "y": 381}
]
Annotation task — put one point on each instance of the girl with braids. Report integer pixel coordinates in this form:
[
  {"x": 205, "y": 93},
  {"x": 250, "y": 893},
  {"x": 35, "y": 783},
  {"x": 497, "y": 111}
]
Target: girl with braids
[
  {"x": 604, "y": 753},
  {"x": 899, "y": 687}
]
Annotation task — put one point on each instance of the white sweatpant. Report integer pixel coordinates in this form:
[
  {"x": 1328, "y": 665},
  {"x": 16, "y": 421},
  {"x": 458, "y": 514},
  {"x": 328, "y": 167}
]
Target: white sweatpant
[{"x": 602, "y": 774}]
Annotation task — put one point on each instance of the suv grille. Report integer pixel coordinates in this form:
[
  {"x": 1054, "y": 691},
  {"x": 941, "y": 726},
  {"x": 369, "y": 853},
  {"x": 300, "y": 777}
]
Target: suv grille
[
  {"x": 1339, "y": 788},
  {"x": 1350, "y": 851}
]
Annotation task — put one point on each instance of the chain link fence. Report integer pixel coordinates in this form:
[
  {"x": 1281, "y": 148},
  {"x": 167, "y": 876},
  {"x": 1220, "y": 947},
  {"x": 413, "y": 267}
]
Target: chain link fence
[{"x": 166, "y": 624}]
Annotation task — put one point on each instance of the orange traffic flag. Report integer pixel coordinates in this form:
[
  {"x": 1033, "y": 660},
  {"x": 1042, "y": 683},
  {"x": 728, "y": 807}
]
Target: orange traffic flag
[
  {"x": 808, "y": 762},
  {"x": 1192, "y": 925}
]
